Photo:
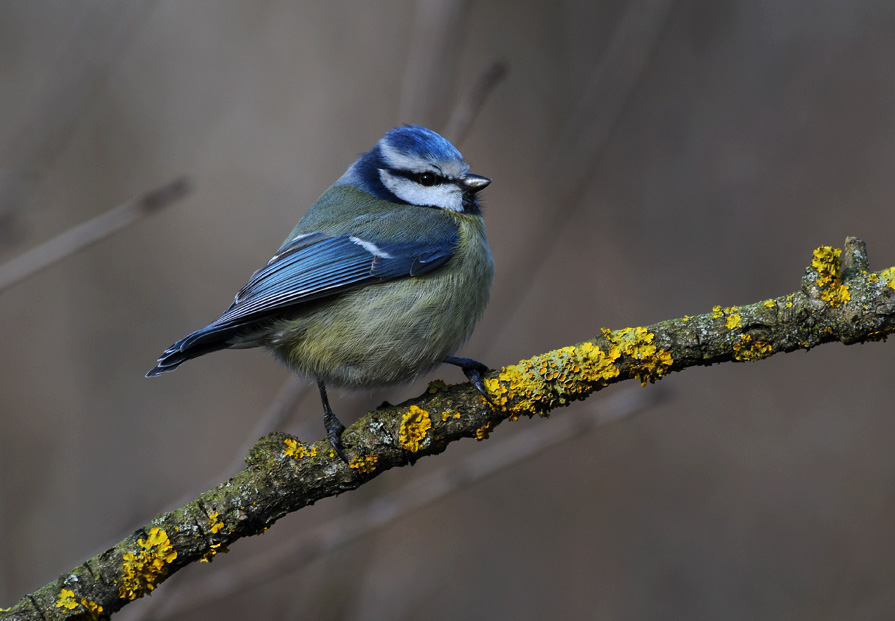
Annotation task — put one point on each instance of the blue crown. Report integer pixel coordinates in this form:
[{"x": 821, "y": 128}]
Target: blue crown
[{"x": 413, "y": 140}]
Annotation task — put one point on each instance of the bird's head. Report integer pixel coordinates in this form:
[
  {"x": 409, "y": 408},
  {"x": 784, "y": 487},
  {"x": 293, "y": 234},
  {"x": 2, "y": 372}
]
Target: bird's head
[{"x": 416, "y": 166}]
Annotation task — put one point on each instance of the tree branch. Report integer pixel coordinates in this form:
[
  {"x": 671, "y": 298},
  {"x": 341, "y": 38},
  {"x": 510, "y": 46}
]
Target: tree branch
[
  {"x": 384, "y": 509},
  {"x": 839, "y": 301},
  {"x": 83, "y": 235}
]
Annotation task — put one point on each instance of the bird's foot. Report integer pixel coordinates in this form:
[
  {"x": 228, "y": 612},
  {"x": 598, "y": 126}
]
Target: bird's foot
[
  {"x": 334, "y": 429},
  {"x": 474, "y": 372}
]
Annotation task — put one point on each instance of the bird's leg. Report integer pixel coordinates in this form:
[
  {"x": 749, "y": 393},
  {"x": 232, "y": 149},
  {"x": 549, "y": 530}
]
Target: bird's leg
[
  {"x": 334, "y": 426},
  {"x": 474, "y": 372}
]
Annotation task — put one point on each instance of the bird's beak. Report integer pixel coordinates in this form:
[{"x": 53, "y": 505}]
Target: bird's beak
[{"x": 474, "y": 183}]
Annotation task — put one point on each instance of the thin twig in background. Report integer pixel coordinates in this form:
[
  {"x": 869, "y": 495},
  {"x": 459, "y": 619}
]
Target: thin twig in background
[
  {"x": 582, "y": 144},
  {"x": 281, "y": 409},
  {"x": 398, "y": 503},
  {"x": 438, "y": 36},
  {"x": 468, "y": 108},
  {"x": 606, "y": 93},
  {"x": 278, "y": 413},
  {"x": 81, "y": 236}
]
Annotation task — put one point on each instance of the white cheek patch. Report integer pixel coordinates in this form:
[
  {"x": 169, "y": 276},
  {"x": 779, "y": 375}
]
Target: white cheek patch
[{"x": 443, "y": 195}]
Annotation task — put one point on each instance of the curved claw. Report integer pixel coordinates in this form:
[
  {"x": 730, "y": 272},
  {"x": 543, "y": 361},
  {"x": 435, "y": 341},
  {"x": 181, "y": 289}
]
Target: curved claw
[
  {"x": 334, "y": 433},
  {"x": 474, "y": 372}
]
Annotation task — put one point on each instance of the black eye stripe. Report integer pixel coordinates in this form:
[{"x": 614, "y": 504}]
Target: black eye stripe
[{"x": 426, "y": 178}]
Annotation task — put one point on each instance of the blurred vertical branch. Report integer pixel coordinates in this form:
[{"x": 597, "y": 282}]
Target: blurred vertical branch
[
  {"x": 469, "y": 106},
  {"x": 579, "y": 149},
  {"x": 278, "y": 413},
  {"x": 438, "y": 36},
  {"x": 606, "y": 94}
]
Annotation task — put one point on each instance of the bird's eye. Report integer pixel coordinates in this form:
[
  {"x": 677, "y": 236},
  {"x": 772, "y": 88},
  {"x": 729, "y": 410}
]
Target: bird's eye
[{"x": 427, "y": 179}]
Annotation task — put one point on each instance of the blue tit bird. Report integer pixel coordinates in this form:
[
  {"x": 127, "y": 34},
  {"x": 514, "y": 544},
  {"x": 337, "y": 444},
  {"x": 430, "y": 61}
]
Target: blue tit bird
[{"x": 383, "y": 279}]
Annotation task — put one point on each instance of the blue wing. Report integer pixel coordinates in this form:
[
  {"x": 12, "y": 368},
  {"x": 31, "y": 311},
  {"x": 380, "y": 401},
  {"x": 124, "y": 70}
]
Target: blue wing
[
  {"x": 315, "y": 266},
  {"x": 318, "y": 266}
]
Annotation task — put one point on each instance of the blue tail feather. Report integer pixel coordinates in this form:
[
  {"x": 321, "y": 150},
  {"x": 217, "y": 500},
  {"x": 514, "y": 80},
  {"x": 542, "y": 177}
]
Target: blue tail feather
[{"x": 205, "y": 341}]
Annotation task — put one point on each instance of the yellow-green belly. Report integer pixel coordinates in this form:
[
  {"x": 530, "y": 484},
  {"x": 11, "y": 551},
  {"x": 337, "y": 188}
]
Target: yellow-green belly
[{"x": 390, "y": 332}]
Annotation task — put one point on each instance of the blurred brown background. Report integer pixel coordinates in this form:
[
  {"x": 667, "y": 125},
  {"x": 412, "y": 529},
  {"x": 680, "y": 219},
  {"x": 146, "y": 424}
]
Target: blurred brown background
[{"x": 650, "y": 160}]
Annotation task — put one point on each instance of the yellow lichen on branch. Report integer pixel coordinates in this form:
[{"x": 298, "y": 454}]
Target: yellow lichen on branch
[
  {"x": 67, "y": 600},
  {"x": 364, "y": 463},
  {"x": 144, "y": 570},
  {"x": 484, "y": 432},
  {"x": 214, "y": 549},
  {"x": 888, "y": 277},
  {"x": 535, "y": 384},
  {"x": 827, "y": 262},
  {"x": 746, "y": 350},
  {"x": 298, "y": 450},
  {"x": 215, "y": 525},
  {"x": 733, "y": 321},
  {"x": 651, "y": 362},
  {"x": 539, "y": 384},
  {"x": 415, "y": 425}
]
